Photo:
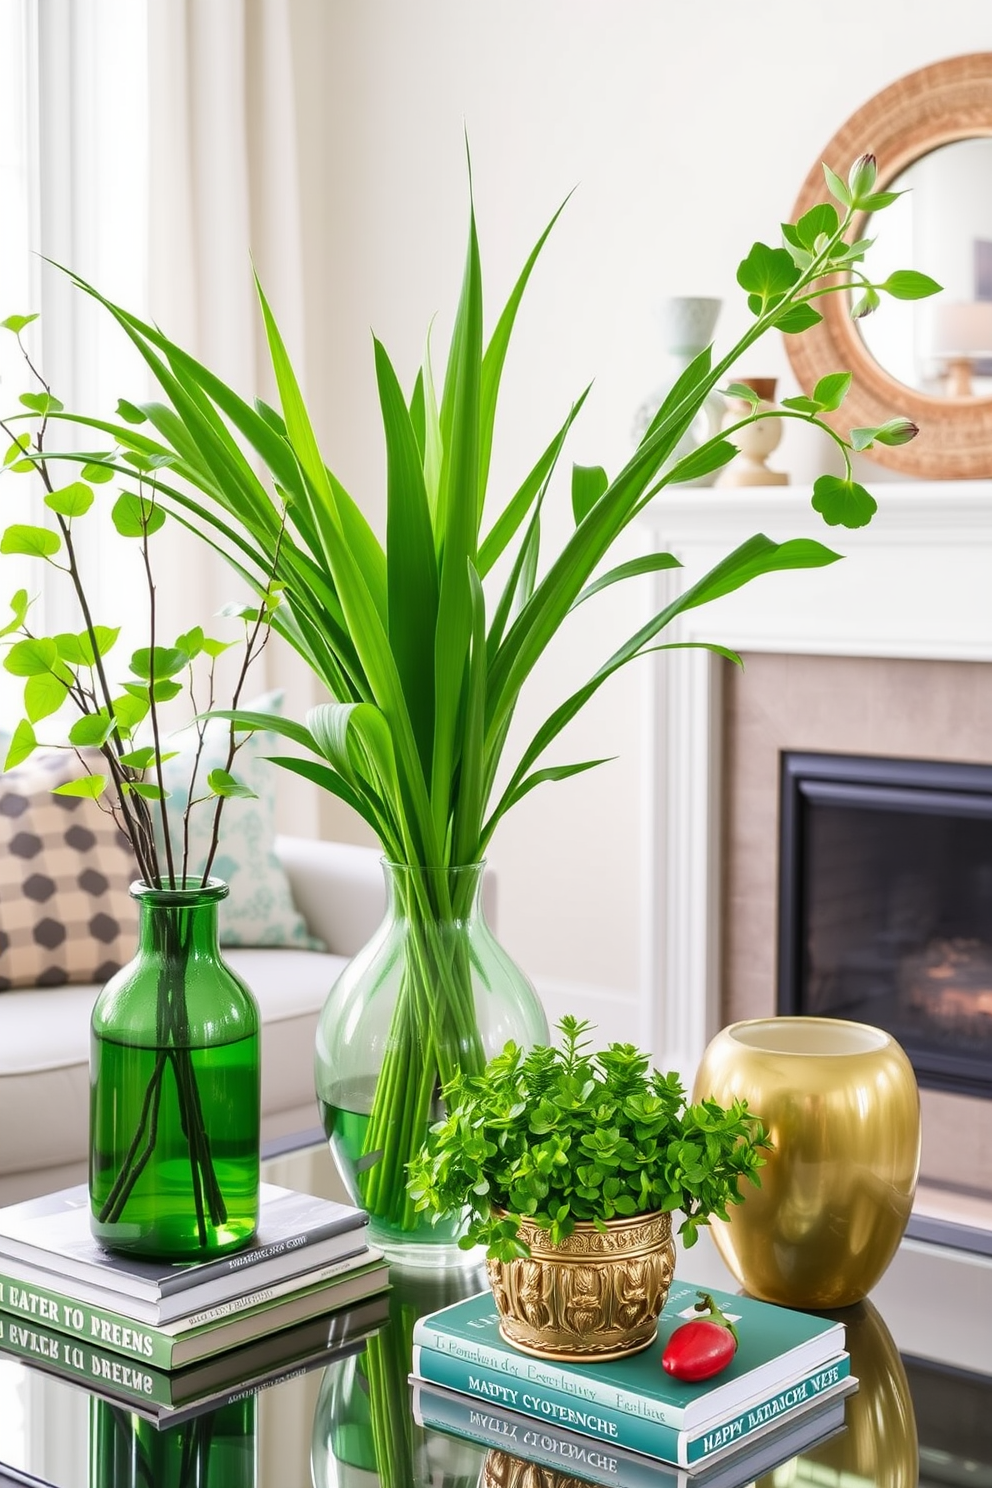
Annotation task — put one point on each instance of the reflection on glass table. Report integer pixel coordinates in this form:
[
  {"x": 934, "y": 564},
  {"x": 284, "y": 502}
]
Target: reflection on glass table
[
  {"x": 916, "y": 1418},
  {"x": 213, "y": 1450}
]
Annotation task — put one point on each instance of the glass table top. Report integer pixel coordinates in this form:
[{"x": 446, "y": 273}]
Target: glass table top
[{"x": 921, "y": 1347}]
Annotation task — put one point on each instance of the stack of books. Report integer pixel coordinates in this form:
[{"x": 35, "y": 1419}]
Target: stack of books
[
  {"x": 170, "y": 1397},
  {"x": 791, "y": 1371},
  {"x": 126, "y": 1323},
  {"x": 516, "y": 1451}
]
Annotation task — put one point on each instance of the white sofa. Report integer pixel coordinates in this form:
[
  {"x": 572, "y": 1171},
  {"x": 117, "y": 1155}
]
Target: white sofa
[{"x": 44, "y": 1033}]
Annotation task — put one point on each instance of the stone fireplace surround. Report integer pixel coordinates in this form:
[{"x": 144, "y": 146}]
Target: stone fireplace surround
[{"x": 885, "y": 653}]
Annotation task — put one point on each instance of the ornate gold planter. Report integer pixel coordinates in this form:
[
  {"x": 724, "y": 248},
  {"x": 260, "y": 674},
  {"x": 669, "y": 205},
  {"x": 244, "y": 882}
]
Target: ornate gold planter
[
  {"x": 596, "y": 1295},
  {"x": 841, "y": 1105}
]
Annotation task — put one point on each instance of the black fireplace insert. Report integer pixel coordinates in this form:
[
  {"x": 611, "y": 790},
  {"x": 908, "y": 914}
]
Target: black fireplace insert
[{"x": 885, "y": 905}]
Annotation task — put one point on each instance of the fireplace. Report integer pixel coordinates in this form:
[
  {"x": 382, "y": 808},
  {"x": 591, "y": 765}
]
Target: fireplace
[
  {"x": 885, "y": 655},
  {"x": 885, "y": 905}
]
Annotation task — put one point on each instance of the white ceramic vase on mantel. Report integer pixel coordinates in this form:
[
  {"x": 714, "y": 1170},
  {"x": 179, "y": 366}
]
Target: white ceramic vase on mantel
[{"x": 687, "y": 326}]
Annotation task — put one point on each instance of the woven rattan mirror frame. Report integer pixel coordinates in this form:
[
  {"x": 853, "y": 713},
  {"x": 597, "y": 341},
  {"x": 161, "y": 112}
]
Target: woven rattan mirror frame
[{"x": 950, "y": 100}]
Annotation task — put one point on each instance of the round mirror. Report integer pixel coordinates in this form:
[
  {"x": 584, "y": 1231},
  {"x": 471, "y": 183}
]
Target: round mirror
[
  {"x": 942, "y": 225},
  {"x": 931, "y": 133}
]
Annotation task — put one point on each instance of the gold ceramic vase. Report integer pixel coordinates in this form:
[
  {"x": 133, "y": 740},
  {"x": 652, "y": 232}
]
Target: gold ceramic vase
[
  {"x": 597, "y": 1294},
  {"x": 842, "y": 1108}
]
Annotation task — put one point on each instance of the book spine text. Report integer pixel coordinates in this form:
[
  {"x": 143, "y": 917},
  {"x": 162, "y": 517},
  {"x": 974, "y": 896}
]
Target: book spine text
[
  {"x": 523, "y": 1371},
  {"x": 540, "y": 1444},
  {"x": 93, "y": 1325},
  {"x": 351, "y": 1238},
  {"x": 550, "y": 1375},
  {"x": 93, "y": 1366},
  {"x": 617, "y": 1427}
]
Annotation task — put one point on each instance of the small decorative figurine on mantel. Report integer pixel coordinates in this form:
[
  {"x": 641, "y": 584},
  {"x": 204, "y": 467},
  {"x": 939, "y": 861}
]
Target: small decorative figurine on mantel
[{"x": 756, "y": 441}]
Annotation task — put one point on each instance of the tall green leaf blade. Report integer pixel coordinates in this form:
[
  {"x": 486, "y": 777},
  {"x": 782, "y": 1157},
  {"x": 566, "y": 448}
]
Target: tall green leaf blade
[
  {"x": 550, "y": 773},
  {"x": 508, "y": 522},
  {"x": 252, "y": 721},
  {"x": 362, "y": 591},
  {"x": 564, "y": 714},
  {"x": 337, "y": 515},
  {"x": 433, "y": 443},
  {"x": 418, "y": 414},
  {"x": 468, "y": 816},
  {"x": 685, "y": 387},
  {"x": 457, "y": 527},
  {"x": 495, "y": 356},
  {"x": 553, "y": 596},
  {"x": 411, "y": 563},
  {"x": 588, "y": 484},
  {"x": 299, "y": 430},
  {"x": 634, "y": 568},
  {"x": 330, "y": 780},
  {"x": 356, "y": 739},
  {"x": 758, "y": 555},
  {"x": 520, "y": 582}
]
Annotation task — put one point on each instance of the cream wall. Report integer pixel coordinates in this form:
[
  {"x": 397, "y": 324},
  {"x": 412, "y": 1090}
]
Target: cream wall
[{"x": 687, "y": 129}]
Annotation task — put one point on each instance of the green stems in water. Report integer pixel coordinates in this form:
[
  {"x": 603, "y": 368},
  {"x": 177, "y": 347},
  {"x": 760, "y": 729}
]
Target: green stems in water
[
  {"x": 171, "y": 931},
  {"x": 432, "y": 993},
  {"x": 174, "y": 1162},
  {"x": 434, "y": 1031}
]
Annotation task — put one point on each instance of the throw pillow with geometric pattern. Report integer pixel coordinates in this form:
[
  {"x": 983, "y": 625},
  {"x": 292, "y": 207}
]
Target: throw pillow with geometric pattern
[{"x": 65, "y": 911}]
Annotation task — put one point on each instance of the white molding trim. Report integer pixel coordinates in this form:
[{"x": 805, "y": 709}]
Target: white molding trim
[
  {"x": 914, "y": 584},
  {"x": 614, "y": 1011}
]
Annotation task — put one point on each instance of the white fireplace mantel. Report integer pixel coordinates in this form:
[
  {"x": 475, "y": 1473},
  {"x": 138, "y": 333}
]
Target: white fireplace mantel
[{"x": 917, "y": 582}]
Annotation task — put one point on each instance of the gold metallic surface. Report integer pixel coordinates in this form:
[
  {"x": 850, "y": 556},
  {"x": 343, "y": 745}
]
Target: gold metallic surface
[
  {"x": 503, "y": 1470},
  {"x": 595, "y": 1295},
  {"x": 879, "y": 1443},
  {"x": 842, "y": 1108}
]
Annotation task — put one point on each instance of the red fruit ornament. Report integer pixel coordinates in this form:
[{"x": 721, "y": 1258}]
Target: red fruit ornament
[{"x": 700, "y": 1348}]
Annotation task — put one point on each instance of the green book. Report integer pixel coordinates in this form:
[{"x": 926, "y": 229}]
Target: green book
[
  {"x": 169, "y": 1398},
  {"x": 777, "y": 1346},
  {"x": 175, "y": 1345},
  {"x": 575, "y": 1457}
]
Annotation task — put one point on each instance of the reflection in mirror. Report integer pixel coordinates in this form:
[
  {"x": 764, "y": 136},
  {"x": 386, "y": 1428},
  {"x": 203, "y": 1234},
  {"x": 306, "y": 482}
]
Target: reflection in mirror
[{"x": 942, "y": 226}]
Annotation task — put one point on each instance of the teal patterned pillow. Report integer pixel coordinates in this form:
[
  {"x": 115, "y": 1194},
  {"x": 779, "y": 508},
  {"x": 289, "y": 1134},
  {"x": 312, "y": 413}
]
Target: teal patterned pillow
[{"x": 259, "y": 911}]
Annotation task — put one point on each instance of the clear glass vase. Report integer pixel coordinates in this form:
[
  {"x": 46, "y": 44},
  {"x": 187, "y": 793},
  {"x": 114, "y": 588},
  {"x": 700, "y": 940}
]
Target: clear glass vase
[
  {"x": 432, "y": 992},
  {"x": 174, "y": 1089},
  {"x": 360, "y": 1438}
]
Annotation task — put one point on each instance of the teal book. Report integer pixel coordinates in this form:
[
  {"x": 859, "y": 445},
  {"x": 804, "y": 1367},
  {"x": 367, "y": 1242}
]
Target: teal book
[
  {"x": 636, "y": 1433},
  {"x": 575, "y": 1458},
  {"x": 777, "y": 1346}
]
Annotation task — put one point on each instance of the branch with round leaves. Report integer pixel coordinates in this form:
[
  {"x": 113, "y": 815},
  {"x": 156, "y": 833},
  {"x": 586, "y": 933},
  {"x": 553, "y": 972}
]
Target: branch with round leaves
[
  {"x": 121, "y": 721},
  {"x": 781, "y": 284}
]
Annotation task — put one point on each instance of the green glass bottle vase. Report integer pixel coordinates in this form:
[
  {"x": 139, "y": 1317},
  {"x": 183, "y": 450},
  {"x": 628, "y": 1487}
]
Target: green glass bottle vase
[
  {"x": 432, "y": 992},
  {"x": 217, "y": 1449},
  {"x": 174, "y": 1089}
]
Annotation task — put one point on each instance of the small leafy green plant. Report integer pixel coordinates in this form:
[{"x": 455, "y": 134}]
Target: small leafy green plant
[{"x": 561, "y": 1136}]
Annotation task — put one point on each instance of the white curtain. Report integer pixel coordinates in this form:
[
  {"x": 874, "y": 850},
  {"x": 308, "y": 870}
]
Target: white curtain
[
  {"x": 19, "y": 274},
  {"x": 224, "y": 194},
  {"x": 73, "y": 186},
  {"x": 150, "y": 145}
]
